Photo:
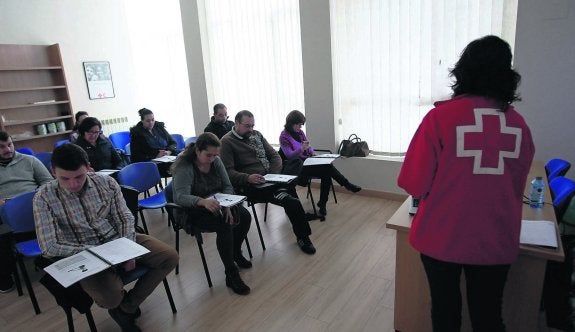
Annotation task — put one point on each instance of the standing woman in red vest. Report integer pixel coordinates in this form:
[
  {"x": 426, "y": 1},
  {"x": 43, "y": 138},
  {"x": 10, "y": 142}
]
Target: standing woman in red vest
[{"x": 468, "y": 163}]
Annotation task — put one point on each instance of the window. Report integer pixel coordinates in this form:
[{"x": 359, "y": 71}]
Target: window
[
  {"x": 252, "y": 56},
  {"x": 391, "y": 60}
]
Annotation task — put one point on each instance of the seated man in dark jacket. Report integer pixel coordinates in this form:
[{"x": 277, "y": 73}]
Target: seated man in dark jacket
[
  {"x": 100, "y": 150},
  {"x": 247, "y": 157},
  {"x": 219, "y": 124}
]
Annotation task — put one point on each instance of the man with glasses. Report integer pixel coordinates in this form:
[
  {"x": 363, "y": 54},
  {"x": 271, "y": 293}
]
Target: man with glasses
[
  {"x": 219, "y": 124},
  {"x": 19, "y": 174},
  {"x": 247, "y": 157}
]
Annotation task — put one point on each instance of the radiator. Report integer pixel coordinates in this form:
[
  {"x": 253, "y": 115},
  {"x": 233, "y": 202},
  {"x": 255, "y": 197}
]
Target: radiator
[{"x": 113, "y": 125}]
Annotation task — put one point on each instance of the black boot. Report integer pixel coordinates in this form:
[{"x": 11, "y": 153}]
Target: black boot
[
  {"x": 322, "y": 210},
  {"x": 352, "y": 187},
  {"x": 241, "y": 261},
  {"x": 235, "y": 282}
]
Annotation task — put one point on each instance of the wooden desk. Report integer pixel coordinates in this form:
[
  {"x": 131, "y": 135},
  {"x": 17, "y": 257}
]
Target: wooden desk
[{"x": 522, "y": 295}]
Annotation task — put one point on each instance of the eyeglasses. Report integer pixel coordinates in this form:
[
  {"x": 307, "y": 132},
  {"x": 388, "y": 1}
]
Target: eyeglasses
[
  {"x": 94, "y": 132},
  {"x": 246, "y": 125}
]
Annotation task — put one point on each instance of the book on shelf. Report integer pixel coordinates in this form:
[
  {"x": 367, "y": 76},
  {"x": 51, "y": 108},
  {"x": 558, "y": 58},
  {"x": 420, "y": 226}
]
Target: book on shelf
[
  {"x": 542, "y": 233},
  {"x": 228, "y": 200},
  {"x": 74, "y": 268}
]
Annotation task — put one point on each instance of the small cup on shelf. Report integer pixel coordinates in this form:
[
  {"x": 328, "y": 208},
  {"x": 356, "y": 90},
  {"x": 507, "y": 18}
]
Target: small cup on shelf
[
  {"x": 51, "y": 127},
  {"x": 60, "y": 126},
  {"x": 41, "y": 129}
]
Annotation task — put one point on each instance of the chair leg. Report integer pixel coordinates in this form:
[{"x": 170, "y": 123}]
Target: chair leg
[
  {"x": 144, "y": 222},
  {"x": 90, "y": 320},
  {"x": 170, "y": 298},
  {"x": 333, "y": 191},
  {"x": 258, "y": 226},
  {"x": 200, "y": 241},
  {"x": 248, "y": 246},
  {"x": 17, "y": 280},
  {"x": 266, "y": 213},
  {"x": 28, "y": 284},
  {"x": 178, "y": 250},
  {"x": 69, "y": 318},
  {"x": 310, "y": 195}
]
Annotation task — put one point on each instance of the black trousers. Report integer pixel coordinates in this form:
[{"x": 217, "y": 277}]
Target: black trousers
[
  {"x": 325, "y": 173},
  {"x": 229, "y": 237},
  {"x": 286, "y": 197},
  {"x": 484, "y": 283}
]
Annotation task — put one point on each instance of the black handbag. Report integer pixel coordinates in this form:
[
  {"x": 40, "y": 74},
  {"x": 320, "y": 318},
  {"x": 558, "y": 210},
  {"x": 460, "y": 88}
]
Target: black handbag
[{"x": 353, "y": 146}]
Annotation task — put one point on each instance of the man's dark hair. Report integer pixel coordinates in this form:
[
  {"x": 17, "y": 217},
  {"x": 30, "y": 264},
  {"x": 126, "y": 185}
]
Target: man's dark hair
[
  {"x": 294, "y": 117},
  {"x": 87, "y": 124},
  {"x": 243, "y": 113},
  {"x": 79, "y": 114},
  {"x": 218, "y": 107},
  {"x": 143, "y": 112},
  {"x": 4, "y": 136},
  {"x": 484, "y": 69},
  {"x": 69, "y": 157}
]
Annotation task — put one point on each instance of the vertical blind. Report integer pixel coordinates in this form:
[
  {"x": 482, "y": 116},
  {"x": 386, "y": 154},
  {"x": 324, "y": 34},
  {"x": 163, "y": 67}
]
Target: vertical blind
[
  {"x": 391, "y": 60},
  {"x": 252, "y": 56}
]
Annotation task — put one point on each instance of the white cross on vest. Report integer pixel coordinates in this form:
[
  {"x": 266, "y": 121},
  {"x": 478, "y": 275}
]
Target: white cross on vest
[{"x": 478, "y": 129}]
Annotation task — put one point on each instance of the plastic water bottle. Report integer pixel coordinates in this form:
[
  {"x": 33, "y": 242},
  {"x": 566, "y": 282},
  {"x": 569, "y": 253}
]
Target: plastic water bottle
[{"x": 537, "y": 191}]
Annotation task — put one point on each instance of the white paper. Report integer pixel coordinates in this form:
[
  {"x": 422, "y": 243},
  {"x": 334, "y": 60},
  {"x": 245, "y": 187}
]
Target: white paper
[
  {"x": 107, "y": 171},
  {"x": 227, "y": 200},
  {"x": 327, "y": 155},
  {"x": 72, "y": 269},
  {"x": 279, "y": 178},
  {"x": 538, "y": 233},
  {"x": 165, "y": 159},
  {"x": 311, "y": 161}
]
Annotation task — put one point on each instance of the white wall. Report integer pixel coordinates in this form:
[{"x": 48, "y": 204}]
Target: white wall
[
  {"x": 545, "y": 57},
  {"x": 87, "y": 30}
]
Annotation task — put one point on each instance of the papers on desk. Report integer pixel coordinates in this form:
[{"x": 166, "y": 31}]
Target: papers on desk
[
  {"x": 327, "y": 155},
  {"x": 72, "y": 269},
  {"x": 318, "y": 160},
  {"x": 165, "y": 159},
  {"x": 228, "y": 200},
  {"x": 539, "y": 233},
  {"x": 279, "y": 178},
  {"x": 107, "y": 171}
]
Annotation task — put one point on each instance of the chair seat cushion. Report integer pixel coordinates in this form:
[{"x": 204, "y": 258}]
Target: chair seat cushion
[
  {"x": 153, "y": 202},
  {"x": 29, "y": 248}
]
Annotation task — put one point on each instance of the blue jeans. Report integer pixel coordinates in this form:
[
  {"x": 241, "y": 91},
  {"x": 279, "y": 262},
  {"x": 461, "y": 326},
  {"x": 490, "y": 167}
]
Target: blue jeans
[{"x": 484, "y": 285}]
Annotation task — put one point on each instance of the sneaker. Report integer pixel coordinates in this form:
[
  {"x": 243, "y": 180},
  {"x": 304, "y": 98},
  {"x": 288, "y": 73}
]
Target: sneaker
[
  {"x": 352, "y": 187},
  {"x": 305, "y": 245},
  {"x": 242, "y": 262},
  {"x": 7, "y": 285},
  {"x": 235, "y": 282},
  {"x": 124, "y": 319}
]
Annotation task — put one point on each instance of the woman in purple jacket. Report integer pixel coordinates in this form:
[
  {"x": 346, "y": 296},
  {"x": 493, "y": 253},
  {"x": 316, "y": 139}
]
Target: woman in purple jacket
[{"x": 294, "y": 144}]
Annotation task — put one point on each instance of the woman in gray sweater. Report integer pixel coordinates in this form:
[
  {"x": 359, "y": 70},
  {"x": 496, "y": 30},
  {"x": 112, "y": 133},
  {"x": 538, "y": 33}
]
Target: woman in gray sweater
[{"x": 198, "y": 174}]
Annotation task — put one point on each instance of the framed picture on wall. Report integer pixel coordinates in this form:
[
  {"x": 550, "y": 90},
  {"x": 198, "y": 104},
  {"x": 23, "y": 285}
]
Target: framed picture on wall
[{"x": 99, "y": 79}]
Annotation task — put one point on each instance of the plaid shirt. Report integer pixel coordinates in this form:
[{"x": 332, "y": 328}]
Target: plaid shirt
[{"x": 67, "y": 223}]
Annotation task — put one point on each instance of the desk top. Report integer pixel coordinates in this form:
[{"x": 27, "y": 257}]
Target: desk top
[{"x": 401, "y": 220}]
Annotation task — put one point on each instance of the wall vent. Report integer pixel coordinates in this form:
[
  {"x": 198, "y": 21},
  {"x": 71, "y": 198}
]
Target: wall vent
[{"x": 113, "y": 125}]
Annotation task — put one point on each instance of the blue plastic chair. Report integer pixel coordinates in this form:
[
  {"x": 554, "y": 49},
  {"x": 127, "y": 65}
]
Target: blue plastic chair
[
  {"x": 45, "y": 158},
  {"x": 190, "y": 140},
  {"x": 27, "y": 151},
  {"x": 119, "y": 140},
  {"x": 18, "y": 214},
  {"x": 62, "y": 142},
  {"x": 556, "y": 167},
  {"x": 562, "y": 190},
  {"x": 143, "y": 176},
  {"x": 179, "y": 140}
]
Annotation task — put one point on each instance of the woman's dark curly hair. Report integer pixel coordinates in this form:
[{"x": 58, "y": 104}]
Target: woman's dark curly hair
[
  {"x": 484, "y": 69},
  {"x": 294, "y": 117},
  {"x": 203, "y": 142}
]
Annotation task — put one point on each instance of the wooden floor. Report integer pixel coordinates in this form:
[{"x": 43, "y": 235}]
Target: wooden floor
[{"x": 348, "y": 285}]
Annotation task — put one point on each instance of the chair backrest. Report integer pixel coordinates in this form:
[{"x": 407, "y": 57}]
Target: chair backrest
[
  {"x": 131, "y": 197},
  {"x": 62, "y": 142},
  {"x": 18, "y": 213},
  {"x": 27, "y": 151},
  {"x": 141, "y": 176},
  {"x": 190, "y": 140},
  {"x": 556, "y": 167},
  {"x": 179, "y": 140},
  {"x": 563, "y": 189},
  {"x": 120, "y": 139},
  {"x": 45, "y": 158}
]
